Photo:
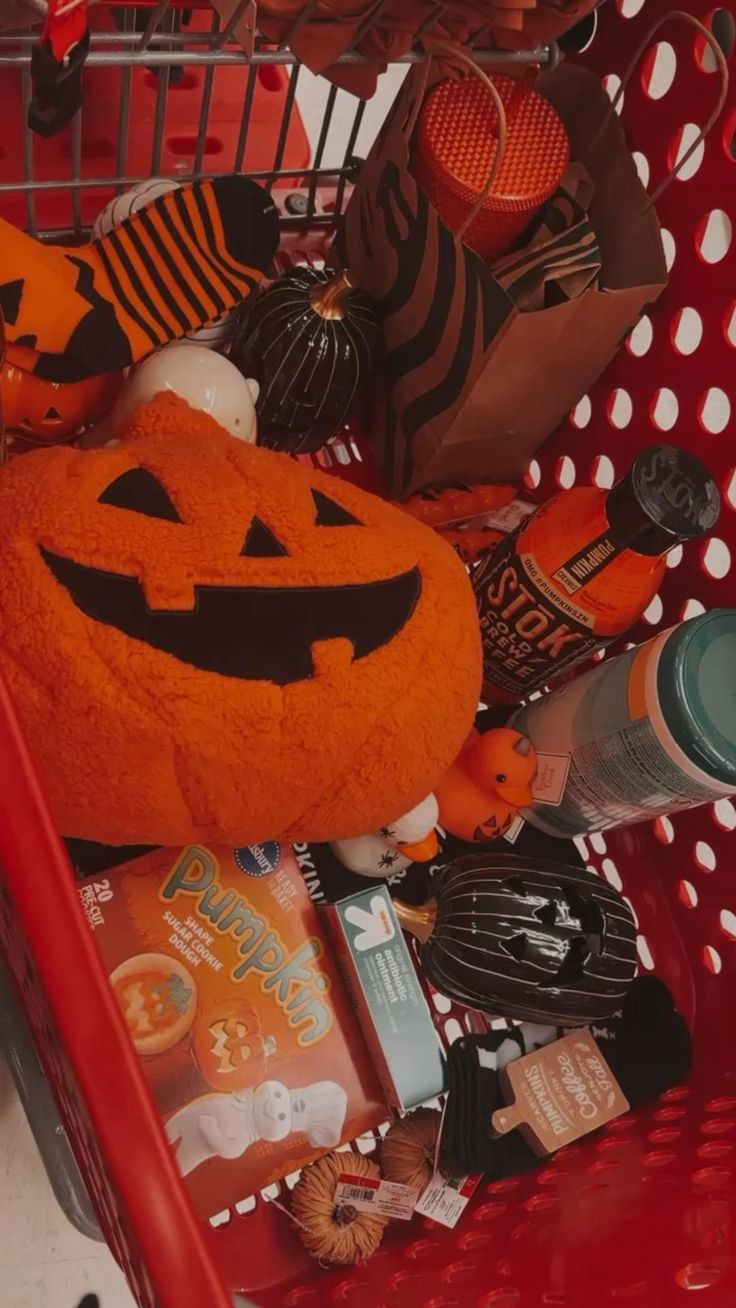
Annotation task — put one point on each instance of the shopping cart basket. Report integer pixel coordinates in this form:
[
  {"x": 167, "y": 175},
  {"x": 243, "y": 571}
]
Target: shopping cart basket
[{"x": 642, "y": 1213}]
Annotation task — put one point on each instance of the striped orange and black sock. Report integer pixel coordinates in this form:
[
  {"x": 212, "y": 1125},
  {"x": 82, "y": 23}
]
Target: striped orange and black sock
[{"x": 176, "y": 265}]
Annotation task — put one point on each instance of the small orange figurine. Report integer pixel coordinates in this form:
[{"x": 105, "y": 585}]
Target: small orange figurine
[
  {"x": 45, "y": 412},
  {"x": 488, "y": 783}
]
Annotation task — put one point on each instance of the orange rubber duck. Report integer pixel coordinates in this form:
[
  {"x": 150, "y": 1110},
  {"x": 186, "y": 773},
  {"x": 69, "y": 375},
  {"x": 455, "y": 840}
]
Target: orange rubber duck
[{"x": 490, "y": 780}]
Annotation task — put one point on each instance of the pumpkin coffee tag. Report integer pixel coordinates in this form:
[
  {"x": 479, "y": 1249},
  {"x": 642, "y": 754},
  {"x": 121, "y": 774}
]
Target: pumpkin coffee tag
[{"x": 559, "y": 1093}]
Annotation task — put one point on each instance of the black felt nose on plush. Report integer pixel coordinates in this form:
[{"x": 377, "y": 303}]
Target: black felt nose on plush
[{"x": 89, "y": 1301}]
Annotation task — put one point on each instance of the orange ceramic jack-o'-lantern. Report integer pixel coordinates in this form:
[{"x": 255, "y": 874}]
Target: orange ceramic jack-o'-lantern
[
  {"x": 45, "y": 411},
  {"x": 229, "y": 1046},
  {"x": 209, "y": 641}
]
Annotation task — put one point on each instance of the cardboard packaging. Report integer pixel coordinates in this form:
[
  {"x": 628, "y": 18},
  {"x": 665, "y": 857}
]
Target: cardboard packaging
[
  {"x": 387, "y": 996},
  {"x": 227, "y": 983}
]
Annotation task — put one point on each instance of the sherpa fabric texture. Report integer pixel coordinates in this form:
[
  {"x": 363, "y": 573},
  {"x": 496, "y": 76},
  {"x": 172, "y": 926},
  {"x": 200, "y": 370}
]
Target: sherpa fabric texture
[{"x": 207, "y": 640}]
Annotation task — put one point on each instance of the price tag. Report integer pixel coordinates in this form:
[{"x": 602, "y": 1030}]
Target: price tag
[
  {"x": 548, "y": 786},
  {"x": 511, "y": 516},
  {"x": 559, "y": 1093},
  {"x": 368, "y": 1194},
  {"x": 446, "y": 1198}
]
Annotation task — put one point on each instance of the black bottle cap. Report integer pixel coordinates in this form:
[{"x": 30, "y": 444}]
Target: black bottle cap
[{"x": 667, "y": 496}]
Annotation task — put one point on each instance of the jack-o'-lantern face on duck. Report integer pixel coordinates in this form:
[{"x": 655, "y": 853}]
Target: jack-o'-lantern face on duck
[{"x": 225, "y": 644}]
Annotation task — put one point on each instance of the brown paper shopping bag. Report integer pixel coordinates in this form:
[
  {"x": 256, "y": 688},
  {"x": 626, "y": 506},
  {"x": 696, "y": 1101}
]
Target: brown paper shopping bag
[{"x": 474, "y": 384}]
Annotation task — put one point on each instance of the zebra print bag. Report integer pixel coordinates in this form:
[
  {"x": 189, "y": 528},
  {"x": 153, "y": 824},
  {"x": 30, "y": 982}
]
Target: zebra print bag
[{"x": 482, "y": 364}]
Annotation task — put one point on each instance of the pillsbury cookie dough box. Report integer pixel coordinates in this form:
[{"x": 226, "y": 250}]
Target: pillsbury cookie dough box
[{"x": 218, "y": 960}]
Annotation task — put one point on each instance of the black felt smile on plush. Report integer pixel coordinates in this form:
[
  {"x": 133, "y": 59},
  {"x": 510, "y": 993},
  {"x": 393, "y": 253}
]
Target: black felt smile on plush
[{"x": 251, "y": 632}]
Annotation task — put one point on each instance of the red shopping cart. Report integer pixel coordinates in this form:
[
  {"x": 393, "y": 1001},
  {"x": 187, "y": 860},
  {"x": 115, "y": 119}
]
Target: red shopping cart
[{"x": 642, "y": 1213}]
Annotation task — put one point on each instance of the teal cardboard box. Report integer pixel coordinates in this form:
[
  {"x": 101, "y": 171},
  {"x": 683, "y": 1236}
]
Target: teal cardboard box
[{"x": 382, "y": 982}]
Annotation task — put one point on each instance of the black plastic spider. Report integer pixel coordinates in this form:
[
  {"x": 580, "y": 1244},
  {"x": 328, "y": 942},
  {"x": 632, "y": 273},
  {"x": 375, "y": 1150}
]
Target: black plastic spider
[{"x": 388, "y": 859}]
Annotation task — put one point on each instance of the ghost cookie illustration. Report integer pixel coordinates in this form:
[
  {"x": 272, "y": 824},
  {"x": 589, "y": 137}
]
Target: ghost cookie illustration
[{"x": 225, "y": 1125}]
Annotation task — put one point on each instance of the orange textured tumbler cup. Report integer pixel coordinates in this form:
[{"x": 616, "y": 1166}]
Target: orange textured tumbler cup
[{"x": 456, "y": 142}]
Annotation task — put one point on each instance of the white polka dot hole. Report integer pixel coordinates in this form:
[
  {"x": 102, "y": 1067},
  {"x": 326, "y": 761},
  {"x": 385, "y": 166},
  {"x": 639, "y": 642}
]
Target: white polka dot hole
[
  {"x": 612, "y": 87},
  {"x": 612, "y": 875},
  {"x": 687, "y": 330},
  {"x": 724, "y": 814},
  {"x": 664, "y": 409},
  {"x": 603, "y": 473},
  {"x": 669, "y": 247},
  {"x": 640, "y": 338},
  {"x": 642, "y": 167},
  {"x": 565, "y": 472},
  {"x": 643, "y": 949},
  {"x": 712, "y": 960},
  {"x": 727, "y": 924},
  {"x": 683, "y": 141},
  {"x": 722, "y": 25},
  {"x": 714, "y": 410},
  {"x": 716, "y": 558},
  {"x": 655, "y": 612},
  {"x": 704, "y": 857},
  {"x": 581, "y": 414},
  {"x": 619, "y": 409},
  {"x": 692, "y": 608},
  {"x": 687, "y": 894},
  {"x": 664, "y": 830},
  {"x": 713, "y": 236},
  {"x": 533, "y": 475},
  {"x": 658, "y": 70},
  {"x": 729, "y": 326}
]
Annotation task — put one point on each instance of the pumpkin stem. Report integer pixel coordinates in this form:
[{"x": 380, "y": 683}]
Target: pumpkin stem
[
  {"x": 345, "y": 1214},
  {"x": 330, "y": 299},
  {"x": 418, "y": 919}
]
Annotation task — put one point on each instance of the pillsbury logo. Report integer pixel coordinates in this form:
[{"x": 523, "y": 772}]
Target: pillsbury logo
[{"x": 258, "y": 860}]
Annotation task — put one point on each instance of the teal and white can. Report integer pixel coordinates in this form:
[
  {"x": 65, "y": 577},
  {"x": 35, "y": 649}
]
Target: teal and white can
[{"x": 644, "y": 734}]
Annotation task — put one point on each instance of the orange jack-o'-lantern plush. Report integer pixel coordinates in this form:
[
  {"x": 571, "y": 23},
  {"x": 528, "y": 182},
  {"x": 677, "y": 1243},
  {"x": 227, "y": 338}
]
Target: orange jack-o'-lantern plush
[
  {"x": 207, "y": 640},
  {"x": 230, "y": 1047},
  {"x": 46, "y": 411}
]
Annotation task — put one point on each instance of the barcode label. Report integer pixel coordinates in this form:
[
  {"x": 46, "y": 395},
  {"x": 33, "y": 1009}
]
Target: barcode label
[
  {"x": 384, "y": 1198},
  {"x": 446, "y": 1198},
  {"x": 357, "y": 1192}
]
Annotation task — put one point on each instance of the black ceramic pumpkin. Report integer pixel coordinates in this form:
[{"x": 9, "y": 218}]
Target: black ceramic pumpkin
[
  {"x": 311, "y": 341},
  {"x": 526, "y": 938}
]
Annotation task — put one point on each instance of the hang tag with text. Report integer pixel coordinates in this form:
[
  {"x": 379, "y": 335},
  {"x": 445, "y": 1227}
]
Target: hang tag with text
[
  {"x": 368, "y": 1194},
  {"x": 559, "y": 1093},
  {"x": 446, "y": 1198},
  {"x": 548, "y": 786}
]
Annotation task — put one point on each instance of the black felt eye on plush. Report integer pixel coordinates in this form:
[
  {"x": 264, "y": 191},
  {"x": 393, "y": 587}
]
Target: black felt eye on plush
[
  {"x": 260, "y": 542},
  {"x": 330, "y": 514},
  {"x": 140, "y": 492}
]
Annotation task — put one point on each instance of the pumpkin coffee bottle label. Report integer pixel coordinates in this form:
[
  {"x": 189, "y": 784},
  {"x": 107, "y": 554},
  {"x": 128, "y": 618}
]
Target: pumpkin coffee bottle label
[
  {"x": 584, "y": 568},
  {"x": 530, "y": 633}
]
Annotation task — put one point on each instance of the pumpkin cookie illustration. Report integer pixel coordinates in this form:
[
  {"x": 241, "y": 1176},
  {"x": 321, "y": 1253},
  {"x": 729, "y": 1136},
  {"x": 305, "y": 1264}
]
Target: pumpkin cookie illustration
[
  {"x": 158, "y": 999},
  {"x": 229, "y": 1045}
]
